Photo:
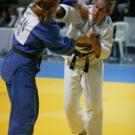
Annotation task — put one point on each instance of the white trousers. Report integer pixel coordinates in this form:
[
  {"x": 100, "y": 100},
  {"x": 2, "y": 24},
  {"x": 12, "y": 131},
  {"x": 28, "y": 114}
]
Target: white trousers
[{"x": 90, "y": 85}]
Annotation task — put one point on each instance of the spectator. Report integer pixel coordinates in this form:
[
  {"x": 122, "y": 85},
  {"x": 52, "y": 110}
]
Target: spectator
[
  {"x": 131, "y": 8},
  {"x": 13, "y": 15},
  {"x": 4, "y": 18}
]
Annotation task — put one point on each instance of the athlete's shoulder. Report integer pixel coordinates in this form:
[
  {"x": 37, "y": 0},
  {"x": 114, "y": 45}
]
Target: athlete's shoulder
[
  {"x": 31, "y": 17},
  {"x": 108, "y": 20},
  {"x": 89, "y": 6}
]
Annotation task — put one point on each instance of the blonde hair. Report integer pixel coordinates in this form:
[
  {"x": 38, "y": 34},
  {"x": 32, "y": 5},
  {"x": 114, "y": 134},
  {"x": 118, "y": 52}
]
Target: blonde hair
[
  {"x": 42, "y": 8},
  {"x": 109, "y": 3}
]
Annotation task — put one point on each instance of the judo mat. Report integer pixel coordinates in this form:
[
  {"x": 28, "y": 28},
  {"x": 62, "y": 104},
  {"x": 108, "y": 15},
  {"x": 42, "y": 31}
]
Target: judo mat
[{"x": 118, "y": 101}]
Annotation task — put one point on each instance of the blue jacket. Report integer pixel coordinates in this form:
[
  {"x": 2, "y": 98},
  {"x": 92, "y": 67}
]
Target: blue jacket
[
  {"x": 68, "y": 2},
  {"x": 32, "y": 36}
]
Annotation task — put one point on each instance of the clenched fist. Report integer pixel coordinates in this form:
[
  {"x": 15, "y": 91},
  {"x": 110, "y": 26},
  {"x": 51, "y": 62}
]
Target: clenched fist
[
  {"x": 82, "y": 44},
  {"x": 83, "y": 11}
]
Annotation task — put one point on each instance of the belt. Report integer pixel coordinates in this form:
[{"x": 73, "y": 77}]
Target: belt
[
  {"x": 78, "y": 54},
  {"x": 27, "y": 55}
]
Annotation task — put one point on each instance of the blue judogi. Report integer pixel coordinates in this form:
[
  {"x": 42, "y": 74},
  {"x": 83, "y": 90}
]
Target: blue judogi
[
  {"x": 31, "y": 37},
  {"x": 68, "y": 2}
]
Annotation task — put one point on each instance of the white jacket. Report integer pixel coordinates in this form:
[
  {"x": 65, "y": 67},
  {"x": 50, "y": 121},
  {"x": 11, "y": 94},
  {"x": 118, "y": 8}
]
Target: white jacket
[{"x": 78, "y": 26}]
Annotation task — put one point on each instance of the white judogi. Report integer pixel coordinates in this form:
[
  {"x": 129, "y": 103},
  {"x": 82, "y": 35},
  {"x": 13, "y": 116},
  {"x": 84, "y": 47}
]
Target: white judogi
[{"x": 90, "y": 84}]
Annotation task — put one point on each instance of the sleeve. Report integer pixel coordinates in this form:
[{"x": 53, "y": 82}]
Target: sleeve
[
  {"x": 68, "y": 2},
  {"x": 72, "y": 2},
  {"x": 72, "y": 31},
  {"x": 50, "y": 35},
  {"x": 71, "y": 15},
  {"x": 106, "y": 41}
]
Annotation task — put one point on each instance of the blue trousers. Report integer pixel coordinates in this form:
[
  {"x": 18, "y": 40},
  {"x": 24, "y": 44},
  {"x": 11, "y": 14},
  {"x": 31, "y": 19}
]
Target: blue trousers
[{"x": 23, "y": 95}]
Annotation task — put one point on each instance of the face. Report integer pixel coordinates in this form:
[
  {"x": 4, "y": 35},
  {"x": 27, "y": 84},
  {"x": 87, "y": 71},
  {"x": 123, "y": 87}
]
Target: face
[{"x": 99, "y": 11}]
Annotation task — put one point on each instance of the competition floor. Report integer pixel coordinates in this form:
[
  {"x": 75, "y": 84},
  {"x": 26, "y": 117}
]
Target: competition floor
[{"x": 118, "y": 100}]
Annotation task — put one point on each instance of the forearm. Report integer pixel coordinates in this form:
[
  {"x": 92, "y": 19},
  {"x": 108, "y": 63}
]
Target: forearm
[
  {"x": 65, "y": 13},
  {"x": 97, "y": 48},
  {"x": 82, "y": 10},
  {"x": 60, "y": 13},
  {"x": 91, "y": 40}
]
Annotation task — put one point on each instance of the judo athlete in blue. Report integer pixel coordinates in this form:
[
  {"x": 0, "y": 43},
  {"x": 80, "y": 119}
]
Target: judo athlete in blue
[
  {"x": 68, "y": 2},
  {"x": 36, "y": 30}
]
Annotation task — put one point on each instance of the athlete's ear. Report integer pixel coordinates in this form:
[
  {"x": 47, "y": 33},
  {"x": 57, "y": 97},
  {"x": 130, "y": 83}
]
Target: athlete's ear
[{"x": 60, "y": 13}]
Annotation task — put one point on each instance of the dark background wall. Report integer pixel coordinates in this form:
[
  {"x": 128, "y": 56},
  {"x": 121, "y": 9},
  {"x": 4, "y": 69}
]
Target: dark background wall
[{"x": 18, "y": 2}]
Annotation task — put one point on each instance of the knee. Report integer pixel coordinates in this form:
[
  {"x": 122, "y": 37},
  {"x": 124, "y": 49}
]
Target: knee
[
  {"x": 95, "y": 113},
  {"x": 69, "y": 108}
]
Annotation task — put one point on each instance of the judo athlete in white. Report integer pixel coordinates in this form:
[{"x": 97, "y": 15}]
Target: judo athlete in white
[{"x": 84, "y": 70}]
